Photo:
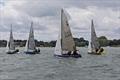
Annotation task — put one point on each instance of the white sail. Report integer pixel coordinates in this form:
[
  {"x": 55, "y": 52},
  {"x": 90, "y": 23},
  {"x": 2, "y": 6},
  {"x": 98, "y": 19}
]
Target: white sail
[
  {"x": 58, "y": 50},
  {"x": 67, "y": 41},
  {"x": 30, "y": 44},
  {"x": 7, "y": 46},
  {"x": 11, "y": 41},
  {"x": 94, "y": 41},
  {"x": 26, "y": 46},
  {"x": 89, "y": 47}
]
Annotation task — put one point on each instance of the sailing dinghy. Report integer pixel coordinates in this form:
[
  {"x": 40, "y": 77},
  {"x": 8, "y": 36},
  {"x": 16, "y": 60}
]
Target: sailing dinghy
[
  {"x": 11, "y": 45},
  {"x": 65, "y": 45},
  {"x": 30, "y": 44},
  {"x": 94, "y": 46}
]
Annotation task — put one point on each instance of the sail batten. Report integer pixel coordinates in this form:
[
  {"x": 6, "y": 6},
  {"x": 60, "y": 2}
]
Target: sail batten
[{"x": 67, "y": 39}]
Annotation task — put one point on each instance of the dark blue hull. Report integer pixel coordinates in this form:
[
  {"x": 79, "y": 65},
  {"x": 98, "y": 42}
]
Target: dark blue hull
[
  {"x": 67, "y": 56},
  {"x": 32, "y": 52}
]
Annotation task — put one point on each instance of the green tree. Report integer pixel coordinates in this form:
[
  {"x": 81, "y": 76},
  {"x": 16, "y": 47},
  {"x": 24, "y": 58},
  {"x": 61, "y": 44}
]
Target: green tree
[{"x": 103, "y": 41}]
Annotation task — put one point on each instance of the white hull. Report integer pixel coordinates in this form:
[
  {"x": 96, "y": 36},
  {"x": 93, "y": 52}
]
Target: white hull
[{"x": 12, "y": 51}]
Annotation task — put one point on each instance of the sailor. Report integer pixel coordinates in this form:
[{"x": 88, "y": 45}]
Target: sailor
[
  {"x": 101, "y": 50},
  {"x": 75, "y": 52},
  {"x": 72, "y": 52},
  {"x": 69, "y": 53},
  {"x": 96, "y": 50},
  {"x": 65, "y": 52},
  {"x": 35, "y": 50},
  {"x": 17, "y": 50},
  {"x": 38, "y": 50}
]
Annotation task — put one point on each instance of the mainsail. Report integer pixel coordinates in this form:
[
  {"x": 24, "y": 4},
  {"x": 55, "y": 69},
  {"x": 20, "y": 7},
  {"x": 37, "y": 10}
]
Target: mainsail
[
  {"x": 94, "y": 41},
  {"x": 11, "y": 41},
  {"x": 65, "y": 40},
  {"x": 30, "y": 44}
]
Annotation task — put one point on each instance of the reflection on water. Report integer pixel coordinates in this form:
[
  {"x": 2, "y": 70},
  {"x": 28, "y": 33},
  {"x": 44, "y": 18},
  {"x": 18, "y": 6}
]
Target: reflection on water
[{"x": 45, "y": 66}]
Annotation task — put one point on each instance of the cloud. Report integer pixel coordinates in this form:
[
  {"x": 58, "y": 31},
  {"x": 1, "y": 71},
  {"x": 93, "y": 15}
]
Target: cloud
[
  {"x": 46, "y": 17},
  {"x": 105, "y": 20}
]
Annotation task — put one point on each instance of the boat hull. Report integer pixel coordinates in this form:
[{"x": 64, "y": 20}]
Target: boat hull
[
  {"x": 32, "y": 52},
  {"x": 93, "y": 53},
  {"x": 67, "y": 56},
  {"x": 13, "y": 52}
]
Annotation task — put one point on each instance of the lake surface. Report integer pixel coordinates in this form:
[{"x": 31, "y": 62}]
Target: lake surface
[{"x": 45, "y": 66}]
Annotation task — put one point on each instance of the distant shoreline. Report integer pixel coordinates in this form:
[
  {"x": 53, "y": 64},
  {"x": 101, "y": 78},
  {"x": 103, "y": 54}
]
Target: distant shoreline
[
  {"x": 77, "y": 47},
  {"x": 80, "y": 42}
]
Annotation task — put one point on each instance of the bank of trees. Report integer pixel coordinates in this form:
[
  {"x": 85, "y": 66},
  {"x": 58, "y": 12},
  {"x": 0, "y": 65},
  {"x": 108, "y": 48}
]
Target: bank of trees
[
  {"x": 80, "y": 42},
  {"x": 105, "y": 42}
]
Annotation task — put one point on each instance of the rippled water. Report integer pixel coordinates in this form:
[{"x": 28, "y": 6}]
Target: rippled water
[{"x": 45, "y": 66}]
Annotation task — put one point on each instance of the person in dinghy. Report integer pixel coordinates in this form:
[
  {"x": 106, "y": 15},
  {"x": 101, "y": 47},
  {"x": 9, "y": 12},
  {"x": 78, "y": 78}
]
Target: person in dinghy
[
  {"x": 30, "y": 44},
  {"x": 65, "y": 45},
  {"x": 10, "y": 45},
  {"x": 99, "y": 51},
  {"x": 74, "y": 53}
]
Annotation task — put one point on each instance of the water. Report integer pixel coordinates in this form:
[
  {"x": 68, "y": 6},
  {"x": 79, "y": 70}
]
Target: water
[{"x": 45, "y": 66}]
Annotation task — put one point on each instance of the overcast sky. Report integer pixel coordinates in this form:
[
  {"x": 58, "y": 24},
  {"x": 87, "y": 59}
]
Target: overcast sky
[{"x": 46, "y": 17}]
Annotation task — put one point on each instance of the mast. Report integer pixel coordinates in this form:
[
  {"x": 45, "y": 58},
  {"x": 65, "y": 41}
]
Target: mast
[{"x": 61, "y": 29}]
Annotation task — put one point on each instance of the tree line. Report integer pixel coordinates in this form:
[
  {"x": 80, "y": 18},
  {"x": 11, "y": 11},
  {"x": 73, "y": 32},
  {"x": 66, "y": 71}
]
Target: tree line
[{"x": 80, "y": 42}]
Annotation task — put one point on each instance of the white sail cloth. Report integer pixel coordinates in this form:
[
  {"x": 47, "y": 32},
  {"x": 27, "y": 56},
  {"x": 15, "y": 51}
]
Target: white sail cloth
[
  {"x": 11, "y": 41},
  {"x": 30, "y": 44}
]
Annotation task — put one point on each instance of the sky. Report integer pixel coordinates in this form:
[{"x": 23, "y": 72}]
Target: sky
[{"x": 45, "y": 15}]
